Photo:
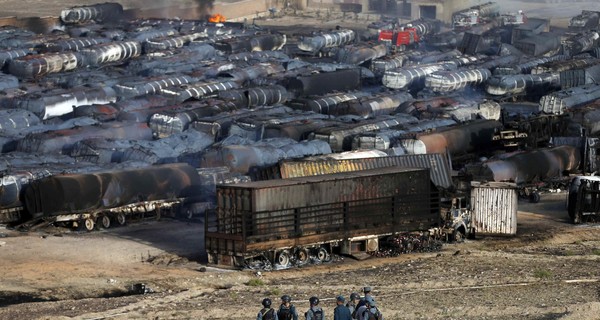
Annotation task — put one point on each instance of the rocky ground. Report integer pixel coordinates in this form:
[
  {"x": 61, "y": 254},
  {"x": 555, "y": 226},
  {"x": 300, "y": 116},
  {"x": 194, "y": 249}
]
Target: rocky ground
[{"x": 548, "y": 271}]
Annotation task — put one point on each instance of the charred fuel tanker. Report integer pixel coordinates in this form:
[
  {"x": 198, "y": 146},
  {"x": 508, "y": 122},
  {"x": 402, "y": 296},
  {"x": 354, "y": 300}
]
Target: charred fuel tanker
[{"x": 88, "y": 198}]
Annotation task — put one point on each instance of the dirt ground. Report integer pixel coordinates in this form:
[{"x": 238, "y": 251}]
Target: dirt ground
[{"x": 548, "y": 271}]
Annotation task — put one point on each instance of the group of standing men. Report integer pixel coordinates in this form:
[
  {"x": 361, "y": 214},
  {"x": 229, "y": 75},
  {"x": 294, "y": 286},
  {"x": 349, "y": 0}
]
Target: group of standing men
[{"x": 356, "y": 308}]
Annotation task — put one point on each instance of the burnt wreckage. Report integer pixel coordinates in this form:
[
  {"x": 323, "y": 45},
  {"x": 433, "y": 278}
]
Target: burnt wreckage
[{"x": 109, "y": 117}]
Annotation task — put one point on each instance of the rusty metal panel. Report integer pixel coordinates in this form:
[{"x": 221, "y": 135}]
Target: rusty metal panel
[
  {"x": 494, "y": 207},
  {"x": 437, "y": 163}
]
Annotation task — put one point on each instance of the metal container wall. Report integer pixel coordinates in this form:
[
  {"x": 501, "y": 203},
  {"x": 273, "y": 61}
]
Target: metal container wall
[
  {"x": 494, "y": 208},
  {"x": 438, "y": 164},
  {"x": 581, "y": 42},
  {"x": 328, "y": 40},
  {"x": 89, "y": 192},
  {"x": 561, "y": 101},
  {"x": 98, "y": 12},
  {"x": 531, "y": 166}
]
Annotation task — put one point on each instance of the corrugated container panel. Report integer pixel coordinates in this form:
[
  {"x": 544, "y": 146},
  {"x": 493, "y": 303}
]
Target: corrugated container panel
[
  {"x": 494, "y": 208},
  {"x": 437, "y": 163}
]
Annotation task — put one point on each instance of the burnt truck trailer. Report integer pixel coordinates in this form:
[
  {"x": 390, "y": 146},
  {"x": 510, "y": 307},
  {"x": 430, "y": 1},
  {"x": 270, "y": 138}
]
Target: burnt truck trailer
[
  {"x": 87, "y": 198},
  {"x": 293, "y": 221},
  {"x": 583, "y": 203}
]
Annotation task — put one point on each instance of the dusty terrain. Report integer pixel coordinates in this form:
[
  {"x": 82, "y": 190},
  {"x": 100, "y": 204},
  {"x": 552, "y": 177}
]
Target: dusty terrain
[{"x": 548, "y": 271}]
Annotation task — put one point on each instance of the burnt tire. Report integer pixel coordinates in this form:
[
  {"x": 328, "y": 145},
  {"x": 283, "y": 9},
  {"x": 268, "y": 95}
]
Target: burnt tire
[
  {"x": 121, "y": 218},
  {"x": 302, "y": 255},
  {"x": 105, "y": 222},
  {"x": 283, "y": 258},
  {"x": 89, "y": 224},
  {"x": 534, "y": 197}
]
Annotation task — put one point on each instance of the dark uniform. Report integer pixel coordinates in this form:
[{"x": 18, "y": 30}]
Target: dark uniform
[
  {"x": 287, "y": 311},
  {"x": 341, "y": 312},
  {"x": 267, "y": 313},
  {"x": 315, "y": 312}
]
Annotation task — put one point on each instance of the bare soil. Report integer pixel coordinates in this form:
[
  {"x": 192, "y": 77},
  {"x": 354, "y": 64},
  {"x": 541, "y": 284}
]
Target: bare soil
[{"x": 549, "y": 270}]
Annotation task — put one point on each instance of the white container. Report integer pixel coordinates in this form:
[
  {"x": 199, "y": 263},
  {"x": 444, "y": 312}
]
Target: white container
[{"x": 494, "y": 207}]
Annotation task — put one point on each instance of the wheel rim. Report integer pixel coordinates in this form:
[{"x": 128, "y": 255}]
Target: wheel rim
[
  {"x": 89, "y": 224},
  {"x": 322, "y": 254},
  {"x": 105, "y": 222},
  {"x": 121, "y": 218},
  {"x": 283, "y": 258},
  {"x": 302, "y": 255}
]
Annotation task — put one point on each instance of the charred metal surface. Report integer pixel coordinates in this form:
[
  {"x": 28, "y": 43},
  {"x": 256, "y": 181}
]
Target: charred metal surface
[
  {"x": 532, "y": 166},
  {"x": 77, "y": 193}
]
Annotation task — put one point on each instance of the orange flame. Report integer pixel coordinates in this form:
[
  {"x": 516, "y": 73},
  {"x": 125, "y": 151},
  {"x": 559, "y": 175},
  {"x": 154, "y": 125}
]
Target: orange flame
[{"x": 217, "y": 18}]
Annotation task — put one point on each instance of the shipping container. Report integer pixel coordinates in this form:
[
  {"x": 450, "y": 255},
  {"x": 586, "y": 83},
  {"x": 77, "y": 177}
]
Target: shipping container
[{"x": 494, "y": 208}]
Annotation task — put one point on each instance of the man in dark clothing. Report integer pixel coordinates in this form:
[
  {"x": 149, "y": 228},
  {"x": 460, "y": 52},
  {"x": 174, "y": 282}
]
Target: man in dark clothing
[
  {"x": 287, "y": 311},
  {"x": 341, "y": 312},
  {"x": 354, "y": 299},
  {"x": 267, "y": 313},
  {"x": 367, "y": 292},
  {"x": 315, "y": 312}
]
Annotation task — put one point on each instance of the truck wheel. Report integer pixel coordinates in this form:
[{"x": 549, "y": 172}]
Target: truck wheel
[
  {"x": 322, "y": 255},
  {"x": 534, "y": 197},
  {"x": 89, "y": 224},
  {"x": 121, "y": 219},
  {"x": 302, "y": 255},
  {"x": 283, "y": 258},
  {"x": 457, "y": 236},
  {"x": 105, "y": 222}
]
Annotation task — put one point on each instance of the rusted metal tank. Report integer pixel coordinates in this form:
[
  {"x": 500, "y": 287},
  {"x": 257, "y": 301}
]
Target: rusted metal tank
[
  {"x": 325, "y": 82},
  {"x": 561, "y": 101},
  {"x": 62, "y": 140},
  {"x": 111, "y": 52},
  {"x": 84, "y": 193},
  {"x": 242, "y": 158},
  {"x": 404, "y": 77},
  {"x": 494, "y": 208},
  {"x": 99, "y": 12},
  {"x": 327, "y": 40},
  {"x": 340, "y": 137},
  {"x": 447, "y": 81},
  {"x": 36, "y": 66},
  {"x": 461, "y": 139},
  {"x": 531, "y": 166}
]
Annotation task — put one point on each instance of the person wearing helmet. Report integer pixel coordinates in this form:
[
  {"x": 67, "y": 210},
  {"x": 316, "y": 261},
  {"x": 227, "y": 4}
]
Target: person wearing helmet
[
  {"x": 367, "y": 293},
  {"x": 287, "y": 311},
  {"x": 354, "y": 299},
  {"x": 341, "y": 312},
  {"x": 369, "y": 311},
  {"x": 314, "y": 312},
  {"x": 267, "y": 313}
]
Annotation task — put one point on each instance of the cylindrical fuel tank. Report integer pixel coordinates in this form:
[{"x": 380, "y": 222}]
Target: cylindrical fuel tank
[
  {"x": 536, "y": 165},
  {"x": 461, "y": 139}
]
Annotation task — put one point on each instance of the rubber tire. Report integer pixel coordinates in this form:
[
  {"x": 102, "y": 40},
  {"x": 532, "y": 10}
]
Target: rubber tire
[{"x": 105, "y": 222}]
